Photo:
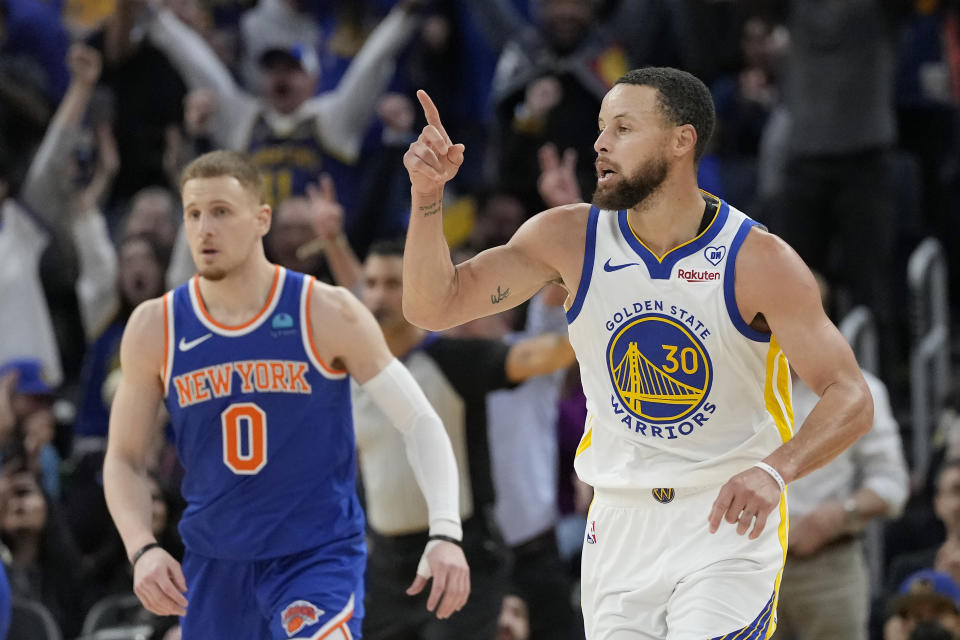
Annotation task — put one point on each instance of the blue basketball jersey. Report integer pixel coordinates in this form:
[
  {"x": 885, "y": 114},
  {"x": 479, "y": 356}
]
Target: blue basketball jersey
[
  {"x": 291, "y": 161},
  {"x": 263, "y": 428}
]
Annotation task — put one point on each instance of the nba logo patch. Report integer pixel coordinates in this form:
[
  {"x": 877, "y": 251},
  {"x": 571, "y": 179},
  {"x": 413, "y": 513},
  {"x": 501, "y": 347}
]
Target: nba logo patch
[
  {"x": 592, "y": 532},
  {"x": 298, "y": 615}
]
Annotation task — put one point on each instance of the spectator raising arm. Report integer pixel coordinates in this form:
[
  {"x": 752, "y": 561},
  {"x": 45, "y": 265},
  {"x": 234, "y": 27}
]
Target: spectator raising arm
[
  {"x": 45, "y": 189},
  {"x": 345, "y": 112},
  {"x": 201, "y": 69}
]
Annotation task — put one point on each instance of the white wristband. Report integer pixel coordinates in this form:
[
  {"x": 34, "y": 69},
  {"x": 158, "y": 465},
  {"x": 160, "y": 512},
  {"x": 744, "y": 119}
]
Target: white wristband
[{"x": 773, "y": 473}]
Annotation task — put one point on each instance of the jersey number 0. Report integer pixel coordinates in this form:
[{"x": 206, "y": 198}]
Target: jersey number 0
[{"x": 239, "y": 418}]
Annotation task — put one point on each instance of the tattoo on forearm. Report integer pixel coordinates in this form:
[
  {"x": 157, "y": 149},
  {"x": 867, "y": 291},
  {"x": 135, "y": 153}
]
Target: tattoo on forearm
[
  {"x": 430, "y": 209},
  {"x": 494, "y": 299}
]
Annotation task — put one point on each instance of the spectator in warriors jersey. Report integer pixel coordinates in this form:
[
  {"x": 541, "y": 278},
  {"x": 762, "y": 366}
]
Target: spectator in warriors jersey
[
  {"x": 292, "y": 134},
  {"x": 253, "y": 363}
]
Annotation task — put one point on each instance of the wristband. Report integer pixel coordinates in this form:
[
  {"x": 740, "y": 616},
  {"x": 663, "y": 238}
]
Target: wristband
[
  {"x": 444, "y": 538},
  {"x": 142, "y": 550},
  {"x": 773, "y": 473}
]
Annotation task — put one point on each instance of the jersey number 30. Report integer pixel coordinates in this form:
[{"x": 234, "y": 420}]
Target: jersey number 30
[{"x": 237, "y": 419}]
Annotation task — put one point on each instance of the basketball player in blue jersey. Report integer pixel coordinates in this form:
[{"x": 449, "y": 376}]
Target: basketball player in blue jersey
[
  {"x": 682, "y": 312},
  {"x": 252, "y": 364}
]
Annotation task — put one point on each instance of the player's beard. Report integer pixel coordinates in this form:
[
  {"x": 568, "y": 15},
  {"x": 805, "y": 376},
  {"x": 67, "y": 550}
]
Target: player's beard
[
  {"x": 212, "y": 273},
  {"x": 630, "y": 191}
]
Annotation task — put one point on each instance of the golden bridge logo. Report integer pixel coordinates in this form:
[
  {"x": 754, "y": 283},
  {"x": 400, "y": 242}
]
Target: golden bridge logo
[
  {"x": 659, "y": 369},
  {"x": 663, "y": 496}
]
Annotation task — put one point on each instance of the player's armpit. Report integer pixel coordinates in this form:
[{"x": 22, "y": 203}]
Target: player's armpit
[{"x": 345, "y": 333}]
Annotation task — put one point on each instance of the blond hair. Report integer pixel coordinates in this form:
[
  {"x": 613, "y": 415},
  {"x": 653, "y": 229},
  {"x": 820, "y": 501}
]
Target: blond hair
[{"x": 226, "y": 163}]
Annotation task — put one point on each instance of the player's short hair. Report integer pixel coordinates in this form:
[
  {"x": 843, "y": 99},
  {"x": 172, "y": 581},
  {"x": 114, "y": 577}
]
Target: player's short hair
[
  {"x": 682, "y": 97},
  {"x": 226, "y": 163},
  {"x": 388, "y": 247}
]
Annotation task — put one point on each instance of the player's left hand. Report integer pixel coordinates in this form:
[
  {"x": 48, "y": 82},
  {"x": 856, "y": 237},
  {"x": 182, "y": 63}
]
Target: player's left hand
[
  {"x": 447, "y": 565},
  {"x": 751, "y": 493}
]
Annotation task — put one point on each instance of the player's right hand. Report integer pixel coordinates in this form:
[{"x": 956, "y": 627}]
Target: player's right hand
[
  {"x": 432, "y": 160},
  {"x": 159, "y": 583},
  {"x": 448, "y": 567}
]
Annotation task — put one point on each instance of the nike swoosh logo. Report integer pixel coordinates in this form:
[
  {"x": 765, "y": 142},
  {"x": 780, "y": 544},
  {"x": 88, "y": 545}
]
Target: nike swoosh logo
[
  {"x": 186, "y": 346},
  {"x": 616, "y": 267}
]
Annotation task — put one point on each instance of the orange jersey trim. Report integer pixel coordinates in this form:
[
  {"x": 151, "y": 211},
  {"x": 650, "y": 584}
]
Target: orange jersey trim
[
  {"x": 309, "y": 328},
  {"x": 256, "y": 318}
]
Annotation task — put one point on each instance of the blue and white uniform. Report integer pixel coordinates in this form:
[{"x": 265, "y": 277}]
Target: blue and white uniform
[
  {"x": 273, "y": 528},
  {"x": 682, "y": 394}
]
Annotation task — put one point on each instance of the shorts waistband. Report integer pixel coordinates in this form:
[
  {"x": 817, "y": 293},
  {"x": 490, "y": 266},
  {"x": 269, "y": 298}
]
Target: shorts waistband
[{"x": 638, "y": 496}]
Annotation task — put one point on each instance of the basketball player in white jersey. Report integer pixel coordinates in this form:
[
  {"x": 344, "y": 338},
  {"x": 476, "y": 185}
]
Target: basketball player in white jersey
[{"x": 682, "y": 312}]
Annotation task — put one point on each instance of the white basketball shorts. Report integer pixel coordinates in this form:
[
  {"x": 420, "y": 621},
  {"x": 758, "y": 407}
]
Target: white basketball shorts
[{"x": 653, "y": 571}]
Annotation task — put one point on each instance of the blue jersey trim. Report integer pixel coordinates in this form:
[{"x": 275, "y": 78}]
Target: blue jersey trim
[
  {"x": 757, "y": 629},
  {"x": 660, "y": 268},
  {"x": 589, "y": 250},
  {"x": 729, "y": 282}
]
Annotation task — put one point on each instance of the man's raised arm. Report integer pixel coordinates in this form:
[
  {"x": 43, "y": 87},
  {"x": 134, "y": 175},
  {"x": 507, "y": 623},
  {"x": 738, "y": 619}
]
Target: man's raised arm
[{"x": 437, "y": 294}]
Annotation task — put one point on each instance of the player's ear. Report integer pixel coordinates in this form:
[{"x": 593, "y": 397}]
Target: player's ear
[
  {"x": 684, "y": 139},
  {"x": 264, "y": 219}
]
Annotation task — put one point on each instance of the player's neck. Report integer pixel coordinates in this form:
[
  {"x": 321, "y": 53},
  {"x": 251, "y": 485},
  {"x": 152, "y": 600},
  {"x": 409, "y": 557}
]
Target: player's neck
[
  {"x": 403, "y": 339},
  {"x": 240, "y": 295},
  {"x": 669, "y": 217}
]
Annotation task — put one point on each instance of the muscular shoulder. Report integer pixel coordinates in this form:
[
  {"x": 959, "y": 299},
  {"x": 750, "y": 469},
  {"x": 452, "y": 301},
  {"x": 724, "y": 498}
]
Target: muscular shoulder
[
  {"x": 770, "y": 273},
  {"x": 332, "y": 305},
  {"x": 556, "y": 237},
  {"x": 559, "y": 222},
  {"x": 145, "y": 337},
  {"x": 345, "y": 334}
]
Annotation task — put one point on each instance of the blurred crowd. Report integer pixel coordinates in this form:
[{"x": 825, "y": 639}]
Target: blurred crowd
[{"x": 837, "y": 128}]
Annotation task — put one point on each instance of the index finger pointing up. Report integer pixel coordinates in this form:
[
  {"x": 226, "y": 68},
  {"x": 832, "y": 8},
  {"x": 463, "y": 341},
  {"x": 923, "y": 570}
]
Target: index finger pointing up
[{"x": 431, "y": 113}]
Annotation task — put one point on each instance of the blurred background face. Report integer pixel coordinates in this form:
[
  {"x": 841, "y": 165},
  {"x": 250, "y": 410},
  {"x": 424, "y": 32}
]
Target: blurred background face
[
  {"x": 292, "y": 227},
  {"x": 946, "y": 503},
  {"x": 153, "y": 212},
  {"x": 932, "y": 612},
  {"x": 286, "y": 85},
  {"x": 383, "y": 290},
  {"x": 26, "y": 510},
  {"x": 139, "y": 274},
  {"x": 514, "y": 621},
  {"x": 501, "y": 216},
  {"x": 565, "y": 22}
]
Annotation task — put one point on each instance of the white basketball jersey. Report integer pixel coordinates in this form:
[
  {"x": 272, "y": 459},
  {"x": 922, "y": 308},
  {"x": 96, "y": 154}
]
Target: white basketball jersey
[{"x": 681, "y": 392}]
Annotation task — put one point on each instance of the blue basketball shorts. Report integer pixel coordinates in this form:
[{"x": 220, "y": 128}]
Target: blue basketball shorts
[{"x": 312, "y": 595}]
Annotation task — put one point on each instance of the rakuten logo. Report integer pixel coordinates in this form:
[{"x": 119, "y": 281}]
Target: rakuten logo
[{"x": 692, "y": 275}]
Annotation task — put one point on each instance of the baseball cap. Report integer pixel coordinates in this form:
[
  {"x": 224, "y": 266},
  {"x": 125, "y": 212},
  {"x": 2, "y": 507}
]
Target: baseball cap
[
  {"x": 300, "y": 54},
  {"x": 926, "y": 586},
  {"x": 30, "y": 379}
]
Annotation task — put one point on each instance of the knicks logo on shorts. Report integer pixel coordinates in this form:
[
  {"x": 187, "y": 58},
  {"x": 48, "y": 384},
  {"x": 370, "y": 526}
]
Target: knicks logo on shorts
[
  {"x": 663, "y": 496},
  {"x": 298, "y": 615},
  {"x": 659, "y": 369}
]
